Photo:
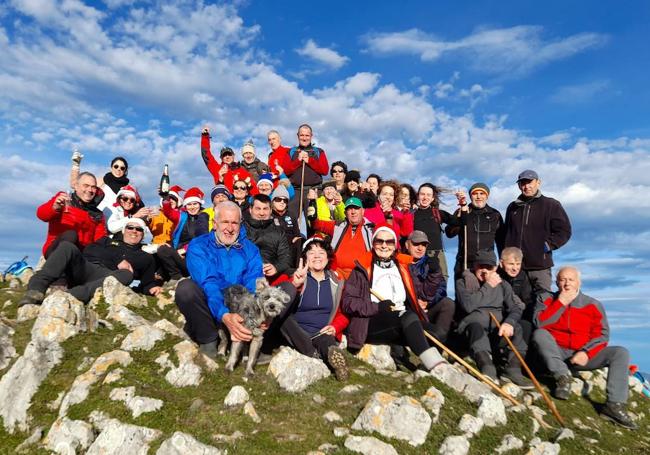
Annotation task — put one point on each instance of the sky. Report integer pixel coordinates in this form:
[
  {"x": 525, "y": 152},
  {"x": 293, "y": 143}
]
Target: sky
[{"x": 448, "y": 92}]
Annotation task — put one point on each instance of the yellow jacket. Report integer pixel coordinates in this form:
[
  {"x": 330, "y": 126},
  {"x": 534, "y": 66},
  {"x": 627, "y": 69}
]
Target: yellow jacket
[{"x": 161, "y": 228}]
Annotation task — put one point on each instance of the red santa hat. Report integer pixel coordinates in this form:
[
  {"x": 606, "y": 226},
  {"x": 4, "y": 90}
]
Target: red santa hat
[
  {"x": 176, "y": 192},
  {"x": 384, "y": 228},
  {"x": 128, "y": 191},
  {"x": 194, "y": 194}
]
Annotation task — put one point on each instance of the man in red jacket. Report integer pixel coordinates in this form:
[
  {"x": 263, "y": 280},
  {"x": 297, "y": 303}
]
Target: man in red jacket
[
  {"x": 74, "y": 217},
  {"x": 314, "y": 162},
  {"x": 573, "y": 329}
]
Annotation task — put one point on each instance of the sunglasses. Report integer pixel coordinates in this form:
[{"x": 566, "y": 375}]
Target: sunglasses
[
  {"x": 135, "y": 228},
  {"x": 389, "y": 242},
  {"x": 227, "y": 154},
  {"x": 281, "y": 199},
  {"x": 337, "y": 171},
  {"x": 243, "y": 188},
  {"x": 127, "y": 199},
  {"x": 121, "y": 168}
]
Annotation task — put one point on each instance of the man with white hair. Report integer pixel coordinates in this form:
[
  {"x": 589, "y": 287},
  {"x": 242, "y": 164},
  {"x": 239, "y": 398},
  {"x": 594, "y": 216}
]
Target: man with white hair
[
  {"x": 573, "y": 334},
  {"x": 123, "y": 259},
  {"x": 217, "y": 260}
]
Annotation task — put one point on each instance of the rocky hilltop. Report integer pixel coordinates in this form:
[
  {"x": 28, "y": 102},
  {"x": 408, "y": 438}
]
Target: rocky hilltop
[{"x": 119, "y": 376}]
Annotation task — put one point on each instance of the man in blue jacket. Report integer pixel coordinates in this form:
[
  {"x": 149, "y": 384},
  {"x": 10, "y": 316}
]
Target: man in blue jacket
[{"x": 217, "y": 260}]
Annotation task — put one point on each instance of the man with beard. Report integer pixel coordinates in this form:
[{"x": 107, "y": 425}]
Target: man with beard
[{"x": 479, "y": 227}]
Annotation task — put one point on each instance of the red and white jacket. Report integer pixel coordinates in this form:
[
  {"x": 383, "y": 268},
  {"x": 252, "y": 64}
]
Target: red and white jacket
[{"x": 579, "y": 326}]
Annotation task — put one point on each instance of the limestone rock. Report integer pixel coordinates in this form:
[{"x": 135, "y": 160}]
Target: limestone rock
[
  {"x": 61, "y": 317},
  {"x": 82, "y": 383},
  {"x": 475, "y": 389},
  {"x": 236, "y": 396},
  {"x": 470, "y": 425},
  {"x": 511, "y": 389},
  {"x": 351, "y": 388},
  {"x": 113, "y": 376},
  {"x": 136, "y": 404},
  {"x": 125, "y": 316},
  {"x": 508, "y": 443},
  {"x": 188, "y": 373},
  {"x": 492, "y": 410},
  {"x": 33, "y": 439},
  {"x": 294, "y": 371},
  {"x": 14, "y": 283},
  {"x": 228, "y": 438},
  {"x": 339, "y": 432},
  {"x": 320, "y": 399},
  {"x": 454, "y": 445},
  {"x": 116, "y": 294},
  {"x": 7, "y": 350},
  {"x": 377, "y": 356},
  {"x": 250, "y": 411},
  {"x": 538, "y": 447},
  {"x": 332, "y": 417},
  {"x": 142, "y": 338},
  {"x": 68, "y": 437},
  {"x": 118, "y": 438},
  {"x": 27, "y": 312},
  {"x": 565, "y": 433},
  {"x": 450, "y": 376},
  {"x": 171, "y": 329},
  {"x": 368, "y": 445},
  {"x": 401, "y": 418},
  {"x": 182, "y": 444},
  {"x": 433, "y": 400},
  {"x": 26, "y": 276}
]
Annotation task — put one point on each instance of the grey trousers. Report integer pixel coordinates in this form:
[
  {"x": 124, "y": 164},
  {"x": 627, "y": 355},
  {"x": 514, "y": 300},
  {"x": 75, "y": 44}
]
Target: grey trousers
[
  {"x": 540, "y": 280},
  {"x": 616, "y": 358}
]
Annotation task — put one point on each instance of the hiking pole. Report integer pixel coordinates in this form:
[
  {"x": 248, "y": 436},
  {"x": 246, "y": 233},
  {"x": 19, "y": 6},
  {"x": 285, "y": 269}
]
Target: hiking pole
[
  {"x": 302, "y": 192},
  {"x": 470, "y": 368},
  {"x": 538, "y": 386}
]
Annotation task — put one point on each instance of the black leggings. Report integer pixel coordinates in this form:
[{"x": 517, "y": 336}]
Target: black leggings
[
  {"x": 172, "y": 262},
  {"x": 67, "y": 236},
  {"x": 390, "y": 328}
]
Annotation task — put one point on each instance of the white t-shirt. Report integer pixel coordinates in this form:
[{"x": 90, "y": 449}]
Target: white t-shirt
[{"x": 387, "y": 282}]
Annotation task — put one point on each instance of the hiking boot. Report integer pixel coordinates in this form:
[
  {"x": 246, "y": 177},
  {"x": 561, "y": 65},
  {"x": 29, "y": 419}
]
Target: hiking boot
[
  {"x": 264, "y": 359},
  {"x": 617, "y": 413},
  {"x": 484, "y": 362},
  {"x": 336, "y": 359},
  {"x": 31, "y": 298},
  {"x": 563, "y": 387},
  {"x": 209, "y": 349},
  {"x": 513, "y": 374}
]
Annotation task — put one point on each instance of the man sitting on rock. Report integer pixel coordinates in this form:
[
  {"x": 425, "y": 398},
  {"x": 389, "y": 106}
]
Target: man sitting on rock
[
  {"x": 123, "y": 259},
  {"x": 480, "y": 292},
  {"x": 572, "y": 334}
]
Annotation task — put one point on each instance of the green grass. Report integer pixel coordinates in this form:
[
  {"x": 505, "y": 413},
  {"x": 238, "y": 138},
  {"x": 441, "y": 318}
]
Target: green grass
[{"x": 291, "y": 423}]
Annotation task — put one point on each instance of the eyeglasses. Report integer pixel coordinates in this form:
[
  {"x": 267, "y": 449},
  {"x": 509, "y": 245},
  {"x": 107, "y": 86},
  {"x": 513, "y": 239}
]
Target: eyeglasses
[
  {"x": 227, "y": 154},
  {"x": 134, "y": 228},
  {"x": 281, "y": 199},
  {"x": 127, "y": 199},
  {"x": 121, "y": 168},
  {"x": 389, "y": 242},
  {"x": 237, "y": 187},
  {"x": 337, "y": 171}
]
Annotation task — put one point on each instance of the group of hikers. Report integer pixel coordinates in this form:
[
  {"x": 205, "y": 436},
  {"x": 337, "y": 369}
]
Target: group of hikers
[{"x": 362, "y": 261}]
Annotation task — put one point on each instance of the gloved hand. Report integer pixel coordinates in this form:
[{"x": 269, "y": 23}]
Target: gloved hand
[
  {"x": 76, "y": 157},
  {"x": 385, "y": 305}
]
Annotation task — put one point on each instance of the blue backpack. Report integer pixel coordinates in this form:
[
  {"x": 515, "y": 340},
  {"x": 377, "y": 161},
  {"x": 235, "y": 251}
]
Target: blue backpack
[{"x": 17, "y": 268}]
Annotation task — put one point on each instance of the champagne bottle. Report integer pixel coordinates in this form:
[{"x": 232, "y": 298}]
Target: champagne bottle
[{"x": 164, "y": 182}]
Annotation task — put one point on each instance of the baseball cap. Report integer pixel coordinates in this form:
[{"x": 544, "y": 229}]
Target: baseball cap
[
  {"x": 353, "y": 202},
  {"x": 528, "y": 175}
]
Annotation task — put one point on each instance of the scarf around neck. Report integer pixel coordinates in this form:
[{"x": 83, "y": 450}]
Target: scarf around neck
[{"x": 115, "y": 183}]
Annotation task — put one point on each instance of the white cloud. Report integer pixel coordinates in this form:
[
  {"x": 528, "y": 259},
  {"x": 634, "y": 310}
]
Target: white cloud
[
  {"x": 580, "y": 93},
  {"x": 507, "y": 51},
  {"x": 322, "y": 55}
]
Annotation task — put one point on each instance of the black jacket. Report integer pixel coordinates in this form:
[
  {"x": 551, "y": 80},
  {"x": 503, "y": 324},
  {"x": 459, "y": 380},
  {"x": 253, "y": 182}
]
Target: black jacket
[
  {"x": 256, "y": 168},
  {"x": 109, "y": 252},
  {"x": 537, "y": 226},
  {"x": 485, "y": 228},
  {"x": 272, "y": 243},
  {"x": 523, "y": 289}
]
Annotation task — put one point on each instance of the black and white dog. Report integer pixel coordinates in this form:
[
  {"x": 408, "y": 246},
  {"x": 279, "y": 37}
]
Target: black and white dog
[{"x": 265, "y": 304}]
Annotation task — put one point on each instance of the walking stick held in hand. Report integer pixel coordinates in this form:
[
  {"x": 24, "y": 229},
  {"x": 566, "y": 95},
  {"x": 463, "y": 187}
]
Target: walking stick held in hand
[
  {"x": 302, "y": 192},
  {"x": 538, "y": 386},
  {"x": 470, "y": 368}
]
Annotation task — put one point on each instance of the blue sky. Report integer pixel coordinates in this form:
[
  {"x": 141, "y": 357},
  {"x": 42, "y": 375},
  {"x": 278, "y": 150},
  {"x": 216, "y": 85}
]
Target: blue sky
[{"x": 453, "y": 92}]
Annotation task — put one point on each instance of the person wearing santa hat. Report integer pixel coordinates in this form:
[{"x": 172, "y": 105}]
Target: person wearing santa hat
[
  {"x": 127, "y": 205},
  {"x": 380, "y": 299},
  {"x": 85, "y": 272},
  {"x": 189, "y": 222}
]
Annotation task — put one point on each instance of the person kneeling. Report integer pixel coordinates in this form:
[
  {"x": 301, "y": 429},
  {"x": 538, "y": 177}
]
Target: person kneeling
[
  {"x": 398, "y": 319},
  {"x": 314, "y": 323},
  {"x": 573, "y": 329},
  {"x": 481, "y": 292}
]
